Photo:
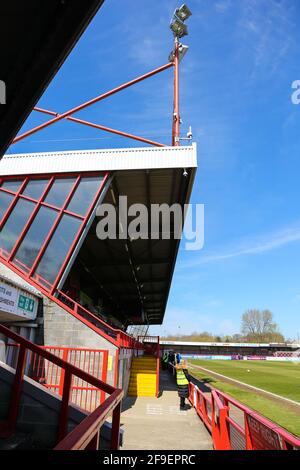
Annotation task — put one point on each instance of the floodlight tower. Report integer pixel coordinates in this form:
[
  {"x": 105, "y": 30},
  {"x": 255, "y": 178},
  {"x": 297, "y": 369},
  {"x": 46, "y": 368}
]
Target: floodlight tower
[{"x": 179, "y": 29}]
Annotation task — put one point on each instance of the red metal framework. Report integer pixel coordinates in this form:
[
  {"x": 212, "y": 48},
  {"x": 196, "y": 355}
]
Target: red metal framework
[
  {"x": 176, "y": 115},
  {"x": 87, "y": 433},
  {"x": 30, "y": 272},
  {"x": 92, "y": 361},
  {"x": 68, "y": 114},
  {"x": 234, "y": 426},
  {"x": 115, "y": 336}
]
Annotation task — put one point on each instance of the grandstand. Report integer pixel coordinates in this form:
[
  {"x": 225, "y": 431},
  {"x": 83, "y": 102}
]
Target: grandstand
[{"x": 231, "y": 349}]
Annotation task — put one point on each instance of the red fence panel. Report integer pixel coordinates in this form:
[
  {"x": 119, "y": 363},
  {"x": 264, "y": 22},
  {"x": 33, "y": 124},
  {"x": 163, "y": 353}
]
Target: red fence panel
[
  {"x": 234, "y": 426},
  {"x": 92, "y": 361}
]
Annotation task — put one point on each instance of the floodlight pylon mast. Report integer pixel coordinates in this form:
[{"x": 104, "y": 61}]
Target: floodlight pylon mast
[{"x": 176, "y": 112}]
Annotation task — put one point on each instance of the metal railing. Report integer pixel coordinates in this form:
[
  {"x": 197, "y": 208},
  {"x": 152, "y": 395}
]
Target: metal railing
[
  {"x": 234, "y": 426},
  {"x": 48, "y": 374},
  {"x": 114, "y": 335},
  {"x": 87, "y": 433}
]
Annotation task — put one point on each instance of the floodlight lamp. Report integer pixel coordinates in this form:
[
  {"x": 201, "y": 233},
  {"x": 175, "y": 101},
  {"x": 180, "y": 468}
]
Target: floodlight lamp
[
  {"x": 183, "y": 12},
  {"x": 182, "y": 51},
  {"x": 179, "y": 28}
]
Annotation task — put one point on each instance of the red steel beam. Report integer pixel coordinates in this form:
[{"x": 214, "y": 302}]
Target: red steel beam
[
  {"x": 102, "y": 128},
  {"x": 176, "y": 113},
  {"x": 90, "y": 102}
]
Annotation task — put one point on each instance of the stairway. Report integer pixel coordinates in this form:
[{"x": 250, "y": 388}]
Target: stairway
[{"x": 143, "y": 377}]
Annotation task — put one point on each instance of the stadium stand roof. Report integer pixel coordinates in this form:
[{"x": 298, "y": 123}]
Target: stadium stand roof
[{"x": 147, "y": 176}]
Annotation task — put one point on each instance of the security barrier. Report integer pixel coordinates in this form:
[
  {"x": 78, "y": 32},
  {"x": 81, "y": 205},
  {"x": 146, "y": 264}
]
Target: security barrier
[
  {"x": 234, "y": 426},
  {"x": 48, "y": 374}
]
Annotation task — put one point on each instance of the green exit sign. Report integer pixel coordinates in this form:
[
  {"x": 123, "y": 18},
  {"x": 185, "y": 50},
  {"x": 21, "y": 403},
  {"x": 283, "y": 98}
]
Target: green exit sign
[{"x": 26, "y": 303}]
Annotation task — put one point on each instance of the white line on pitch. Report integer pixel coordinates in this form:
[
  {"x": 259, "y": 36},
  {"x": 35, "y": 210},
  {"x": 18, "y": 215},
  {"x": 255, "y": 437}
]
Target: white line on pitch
[{"x": 247, "y": 385}]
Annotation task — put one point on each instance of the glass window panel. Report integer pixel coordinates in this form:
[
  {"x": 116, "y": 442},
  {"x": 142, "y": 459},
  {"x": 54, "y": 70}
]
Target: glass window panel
[
  {"x": 84, "y": 194},
  {"x": 15, "y": 224},
  {"x": 35, "y": 237},
  {"x": 35, "y": 188},
  {"x": 5, "y": 200},
  {"x": 59, "y": 191},
  {"x": 57, "y": 249},
  {"x": 12, "y": 185}
]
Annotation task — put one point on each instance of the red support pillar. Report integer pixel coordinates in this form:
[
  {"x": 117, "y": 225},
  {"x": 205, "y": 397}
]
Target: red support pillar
[
  {"x": 115, "y": 431},
  {"x": 176, "y": 113}
]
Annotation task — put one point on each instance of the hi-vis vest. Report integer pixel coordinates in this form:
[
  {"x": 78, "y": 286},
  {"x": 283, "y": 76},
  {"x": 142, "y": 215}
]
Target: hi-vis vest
[{"x": 181, "y": 378}]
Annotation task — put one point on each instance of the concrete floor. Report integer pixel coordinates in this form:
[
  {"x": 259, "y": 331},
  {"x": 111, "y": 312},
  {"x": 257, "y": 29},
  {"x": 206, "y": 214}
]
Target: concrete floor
[{"x": 151, "y": 423}]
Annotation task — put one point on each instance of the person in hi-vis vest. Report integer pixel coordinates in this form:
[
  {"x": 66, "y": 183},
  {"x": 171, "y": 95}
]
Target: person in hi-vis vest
[{"x": 182, "y": 379}]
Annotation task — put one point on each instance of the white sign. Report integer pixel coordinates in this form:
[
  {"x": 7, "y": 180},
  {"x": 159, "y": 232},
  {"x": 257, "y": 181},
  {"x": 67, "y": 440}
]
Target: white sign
[{"x": 16, "y": 304}]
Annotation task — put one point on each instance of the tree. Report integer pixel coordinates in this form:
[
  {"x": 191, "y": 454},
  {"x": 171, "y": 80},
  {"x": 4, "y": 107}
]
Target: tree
[{"x": 259, "y": 326}]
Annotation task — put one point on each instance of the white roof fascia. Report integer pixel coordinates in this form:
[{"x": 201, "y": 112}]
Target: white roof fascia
[{"x": 142, "y": 158}]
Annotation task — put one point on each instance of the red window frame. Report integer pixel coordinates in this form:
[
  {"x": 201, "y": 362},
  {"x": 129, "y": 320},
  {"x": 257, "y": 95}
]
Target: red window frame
[{"x": 61, "y": 211}]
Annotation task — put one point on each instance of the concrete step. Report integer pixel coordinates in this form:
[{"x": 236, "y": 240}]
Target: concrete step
[
  {"x": 141, "y": 391},
  {"x": 142, "y": 386},
  {"x": 143, "y": 364},
  {"x": 147, "y": 380},
  {"x": 19, "y": 441},
  {"x": 132, "y": 394},
  {"x": 142, "y": 377},
  {"x": 147, "y": 360}
]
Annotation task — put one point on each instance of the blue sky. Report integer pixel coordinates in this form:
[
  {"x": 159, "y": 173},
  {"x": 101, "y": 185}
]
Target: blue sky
[{"x": 236, "y": 93}]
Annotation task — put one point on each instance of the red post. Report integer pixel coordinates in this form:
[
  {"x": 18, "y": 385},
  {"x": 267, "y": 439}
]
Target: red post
[
  {"x": 116, "y": 374},
  {"x": 104, "y": 373},
  {"x": 176, "y": 113},
  {"x": 17, "y": 389},
  {"x": 157, "y": 367},
  {"x": 62, "y": 373},
  {"x": 64, "y": 410},
  {"x": 115, "y": 431},
  {"x": 224, "y": 434},
  {"x": 249, "y": 445},
  {"x": 94, "y": 442}
]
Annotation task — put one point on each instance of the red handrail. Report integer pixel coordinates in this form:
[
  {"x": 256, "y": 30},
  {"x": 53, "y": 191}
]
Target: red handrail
[
  {"x": 91, "y": 425},
  {"x": 220, "y": 422},
  {"x": 213, "y": 408}
]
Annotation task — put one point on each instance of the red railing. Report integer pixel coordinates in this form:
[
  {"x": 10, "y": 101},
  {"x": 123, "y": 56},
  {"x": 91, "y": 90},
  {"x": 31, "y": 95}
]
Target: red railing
[
  {"x": 87, "y": 433},
  {"x": 234, "y": 426},
  {"x": 151, "y": 346},
  {"x": 92, "y": 361}
]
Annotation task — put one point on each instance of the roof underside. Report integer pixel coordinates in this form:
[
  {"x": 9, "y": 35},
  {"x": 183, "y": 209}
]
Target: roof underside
[
  {"x": 36, "y": 37},
  {"x": 137, "y": 279}
]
